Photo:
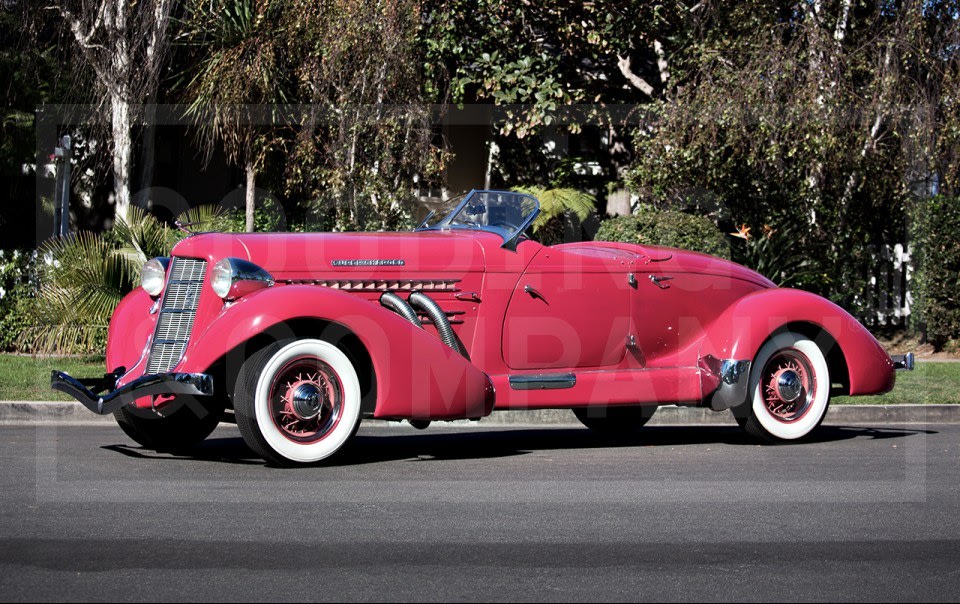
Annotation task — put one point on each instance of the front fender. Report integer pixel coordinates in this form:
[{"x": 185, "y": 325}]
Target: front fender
[
  {"x": 740, "y": 331},
  {"x": 417, "y": 376},
  {"x": 131, "y": 328}
]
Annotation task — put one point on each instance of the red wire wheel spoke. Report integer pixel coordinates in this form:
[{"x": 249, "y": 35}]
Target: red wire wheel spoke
[
  {"x": 789, "y": 385},
  {"x": 306, "y": 399}
]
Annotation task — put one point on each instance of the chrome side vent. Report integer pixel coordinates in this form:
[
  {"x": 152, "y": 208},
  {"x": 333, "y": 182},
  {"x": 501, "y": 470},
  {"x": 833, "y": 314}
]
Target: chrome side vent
[
  {"x": 382, "y": 285},
  {"x": 177, "y": 313}
]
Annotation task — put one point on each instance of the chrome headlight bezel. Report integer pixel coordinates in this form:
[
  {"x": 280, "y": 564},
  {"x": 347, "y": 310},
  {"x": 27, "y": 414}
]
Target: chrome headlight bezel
[
  {"x": 233, "y": 278},
  {"x": 153, "y": 276}
]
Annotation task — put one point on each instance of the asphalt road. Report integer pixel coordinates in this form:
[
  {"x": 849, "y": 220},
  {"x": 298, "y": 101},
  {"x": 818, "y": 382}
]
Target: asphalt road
[{"x": 499, "y": 513}]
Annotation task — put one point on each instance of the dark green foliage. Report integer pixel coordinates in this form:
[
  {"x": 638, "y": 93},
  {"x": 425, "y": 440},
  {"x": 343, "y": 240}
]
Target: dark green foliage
[
  {"x": 808, "y": 117},
  {"x": 668, "y": 228},
  {"x": 83, "y": 277},
  {"x": 777, "y": 254},
  {"x": 936, "y": 257},
  {"x": 554, "y": 71},
  {"x": 18, "y": 283},
  {"x": 366, "y": 141},
  {"x": 561, "y": 210},
  {"x": 32, "y": 72},
  {"x": 267, "y": 218}
]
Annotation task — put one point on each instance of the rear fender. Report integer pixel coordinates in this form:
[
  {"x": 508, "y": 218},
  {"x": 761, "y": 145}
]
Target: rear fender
[
  {"x": 417, "y": 376},
  {"x": 740, "y": 331}
]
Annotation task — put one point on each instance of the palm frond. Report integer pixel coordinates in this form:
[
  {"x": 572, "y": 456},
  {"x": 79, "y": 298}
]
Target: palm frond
[
  {"x": 557, "y": 202},
  {"x": 82, "y": 279},
  {"x": 141, "y": 237},
  {"x": 210, "y": 218}
]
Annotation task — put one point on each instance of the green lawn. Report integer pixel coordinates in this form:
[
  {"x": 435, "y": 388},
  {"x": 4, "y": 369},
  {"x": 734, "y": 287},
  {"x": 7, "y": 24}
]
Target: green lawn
[
  {"x": 930, "y": 383},
  {"x": 24, "y": 378}
]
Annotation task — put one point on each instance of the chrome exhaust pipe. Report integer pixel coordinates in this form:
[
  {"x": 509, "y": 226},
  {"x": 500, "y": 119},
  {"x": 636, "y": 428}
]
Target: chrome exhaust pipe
[
  {"x": 440, "y": 321},
  {"x": 400, "y": 306}
]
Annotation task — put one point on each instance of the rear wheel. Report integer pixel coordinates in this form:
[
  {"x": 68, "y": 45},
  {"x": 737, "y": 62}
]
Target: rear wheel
[
  {"x": 178, "y": 427},
  {"x": 297, "y": 401},
  {"x": 615, "y": 421},
  {"x": 789, "y": 390}
]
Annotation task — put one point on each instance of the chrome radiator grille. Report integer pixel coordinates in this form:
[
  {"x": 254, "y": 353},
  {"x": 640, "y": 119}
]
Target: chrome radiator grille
[{"x": 177, "y": 312}]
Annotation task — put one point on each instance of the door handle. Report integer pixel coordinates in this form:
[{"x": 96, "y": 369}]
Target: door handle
[
  {"x": 658, "y": 281},
  {"x": 534, "y": 293}
]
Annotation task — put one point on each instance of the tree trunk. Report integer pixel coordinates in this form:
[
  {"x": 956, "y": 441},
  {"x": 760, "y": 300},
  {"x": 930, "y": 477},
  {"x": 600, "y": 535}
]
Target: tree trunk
[
  {"x": 120, "y": 129},
  {"x": 251, "y": 196},
  {"x": 618, "y": 203},
  {"x": 147, "y": 151}
]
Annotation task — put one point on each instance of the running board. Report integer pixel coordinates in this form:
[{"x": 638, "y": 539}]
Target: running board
[
  {"x": 543, "y": 381},
  {"x": 566, "y": 389}
]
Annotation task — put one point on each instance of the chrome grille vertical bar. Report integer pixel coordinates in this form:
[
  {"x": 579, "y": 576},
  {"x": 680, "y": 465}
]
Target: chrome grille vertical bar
[{"x": 177, "y": 313}]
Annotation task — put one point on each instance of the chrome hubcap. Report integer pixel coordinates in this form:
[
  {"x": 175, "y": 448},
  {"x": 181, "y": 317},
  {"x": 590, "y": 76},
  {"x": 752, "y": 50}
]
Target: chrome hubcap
[
  {"x": 789, "y": 386},
  {"x": 307, "y": 401}
]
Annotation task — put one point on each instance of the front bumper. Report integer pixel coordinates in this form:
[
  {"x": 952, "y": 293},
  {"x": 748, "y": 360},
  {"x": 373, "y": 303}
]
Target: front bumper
[{"x": 196, "y": 384}]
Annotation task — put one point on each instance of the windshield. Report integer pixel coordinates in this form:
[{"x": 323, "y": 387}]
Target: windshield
[{"x": 503, "y": 212}]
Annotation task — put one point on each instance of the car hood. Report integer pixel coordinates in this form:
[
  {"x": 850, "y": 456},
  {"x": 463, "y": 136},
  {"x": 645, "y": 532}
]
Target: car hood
[{"x": 311, "y": 255}]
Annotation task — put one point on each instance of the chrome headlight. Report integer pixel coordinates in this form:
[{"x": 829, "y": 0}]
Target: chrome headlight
[
  {"x": 153, "y": 274},
  {"x": 233, "y": 278}
]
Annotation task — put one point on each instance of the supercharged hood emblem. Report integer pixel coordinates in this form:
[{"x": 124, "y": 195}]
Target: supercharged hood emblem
[{"x": 367, "y": 262}]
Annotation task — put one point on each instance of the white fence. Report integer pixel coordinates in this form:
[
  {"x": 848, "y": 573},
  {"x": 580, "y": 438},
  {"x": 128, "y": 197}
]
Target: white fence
[{"x": 889, "y": 294}]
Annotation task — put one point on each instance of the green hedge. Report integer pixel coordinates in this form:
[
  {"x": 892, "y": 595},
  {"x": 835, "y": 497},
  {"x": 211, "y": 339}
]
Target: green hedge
[
  {"x": 668, "y": 228},
  {"x": 18, "y": 284},
  {"x": 936, "y": 255}
]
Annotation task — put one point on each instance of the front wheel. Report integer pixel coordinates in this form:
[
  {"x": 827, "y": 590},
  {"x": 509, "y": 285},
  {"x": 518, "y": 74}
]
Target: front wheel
[
  {"x": 297, "y": 401},
  {"x": 789, "y": 390},
  {"x": 177, "y": 427}
]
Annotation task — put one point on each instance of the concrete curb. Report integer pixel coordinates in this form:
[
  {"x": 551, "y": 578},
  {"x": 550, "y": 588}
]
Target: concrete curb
[
  {"x": 48, "y": 412},
  {"x": 39, "y": 412}
]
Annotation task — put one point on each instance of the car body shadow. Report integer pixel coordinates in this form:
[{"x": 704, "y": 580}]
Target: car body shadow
[{"x": 381, "y": 445}]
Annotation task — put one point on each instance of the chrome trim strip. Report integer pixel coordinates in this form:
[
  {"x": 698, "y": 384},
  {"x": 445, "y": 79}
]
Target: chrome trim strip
[
  {"x": 543, "y": 381},
  {"x": 379, "y": 285},
  {"x": 196, "y": 384}
]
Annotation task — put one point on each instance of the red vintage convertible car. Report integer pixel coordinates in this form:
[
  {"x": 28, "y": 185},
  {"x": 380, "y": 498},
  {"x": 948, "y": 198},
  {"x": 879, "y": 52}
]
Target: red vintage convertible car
[{"x": 303, "y": 335}]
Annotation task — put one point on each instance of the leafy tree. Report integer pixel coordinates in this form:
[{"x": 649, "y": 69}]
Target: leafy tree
[
  {"x": 822, "y": 120},
  {"x": 557, "y": 68},
  {"x": 547, "y": 55},
  {"x": 334, "y": 85},
  {"x": 122, "y": 45},
  {"x": 936, "y": 222},
  {"x": 367, "y": 140},
  {"x": 237, "y": 76},
  {"x": 33, "y": 71}
]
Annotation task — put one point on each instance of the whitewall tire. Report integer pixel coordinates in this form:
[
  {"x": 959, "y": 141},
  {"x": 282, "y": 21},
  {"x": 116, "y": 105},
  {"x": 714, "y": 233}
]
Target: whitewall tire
[
  {"x": 789, "y": 389},
  {"x": 298, "y": 401}
]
